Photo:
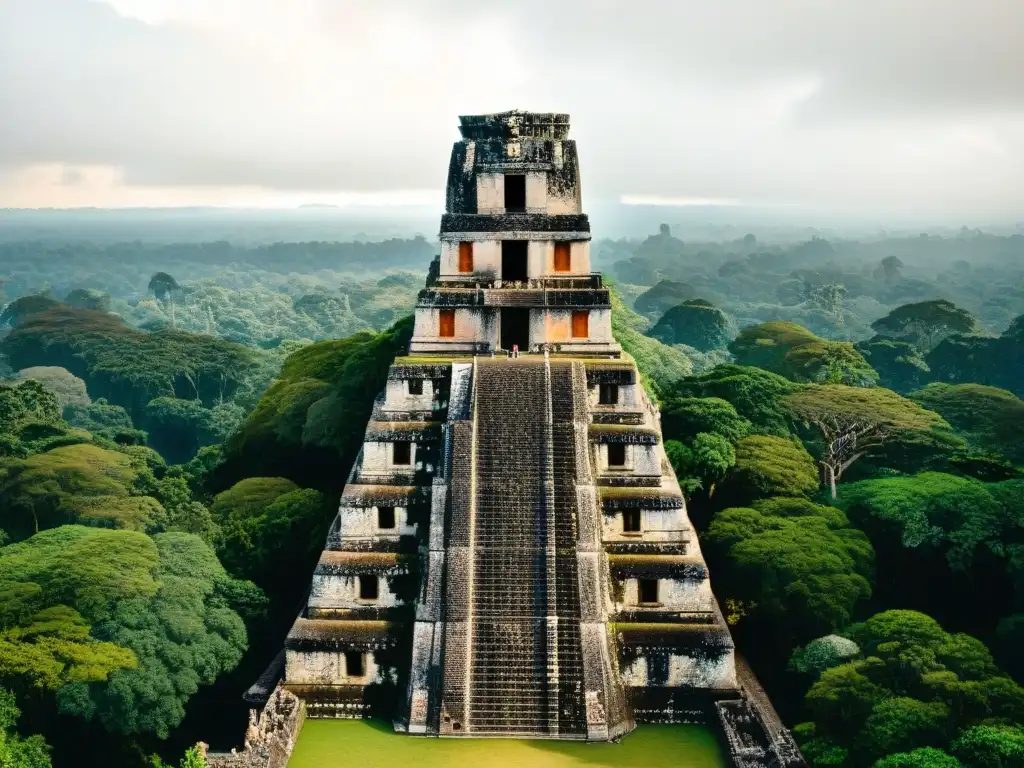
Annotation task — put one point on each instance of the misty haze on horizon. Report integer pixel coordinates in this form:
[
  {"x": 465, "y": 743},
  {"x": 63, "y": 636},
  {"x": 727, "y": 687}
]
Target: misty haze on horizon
[{"x": 851, "y": 114}]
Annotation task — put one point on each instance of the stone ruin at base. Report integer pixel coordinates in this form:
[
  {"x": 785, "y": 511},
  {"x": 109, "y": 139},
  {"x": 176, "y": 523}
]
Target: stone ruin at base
[{"x": 512, "y": 554}]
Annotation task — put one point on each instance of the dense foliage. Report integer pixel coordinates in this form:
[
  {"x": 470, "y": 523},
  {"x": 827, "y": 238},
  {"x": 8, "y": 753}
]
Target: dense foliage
[
  {"x": 789, "y": 562},
  {"x": 792, "y": 351},
  {"x": 911, "y": 686},
  {"x": 695, "y": 323},
  {"x": 17, "y": 751},
  {"x": 177, "y": 420},
  {"x": 854, "y": 423},
  {"x": 184, "y": 635},
  {"x": 127, "y": 366},
  {"x": 987, "y": 417},
  {"x": 311, "y": 420}
]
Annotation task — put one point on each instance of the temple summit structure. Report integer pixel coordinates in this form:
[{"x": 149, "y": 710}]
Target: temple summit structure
[{"x": 512, "y": 554}]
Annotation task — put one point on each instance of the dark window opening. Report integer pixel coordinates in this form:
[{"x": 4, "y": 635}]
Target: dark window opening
[
  {"x": 355, "y": 664},
  {"x": 401, "y": 452},
  {"x": 415, "y": 386},
  {"x": 608, "y": 394},
  {"x": 515, "y": 193},
  {"x": 456, "y": 725},
  {"x": 515, "y": 329},
  {"x": 631, "y": 521},
  {"x": 616, "y": 454},
  {"x": 386, "y": 518},
  {"x": 446, "y": 323},
  {"x": 514, "y": 260},
  {"x": 648, "y": 590},
  {"x": 563, "y": 257},
  {"x": 368, "y": 588},
  {"x": 580, "y": 324},
  {"x": 465, "y": 257}
]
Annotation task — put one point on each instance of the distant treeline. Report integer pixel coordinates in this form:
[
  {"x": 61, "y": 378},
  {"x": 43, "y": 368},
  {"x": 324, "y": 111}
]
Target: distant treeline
[{"x": 26, "y": 266}]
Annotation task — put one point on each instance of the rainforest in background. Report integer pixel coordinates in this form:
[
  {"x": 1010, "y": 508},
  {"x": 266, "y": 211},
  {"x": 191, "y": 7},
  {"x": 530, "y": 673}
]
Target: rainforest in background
[{"x": 845, "y": 416}]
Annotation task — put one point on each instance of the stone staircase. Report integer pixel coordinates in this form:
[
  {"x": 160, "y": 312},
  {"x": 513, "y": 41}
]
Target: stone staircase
[
  {"x": 518, "y": 644},
  {"x": 525, "y": 666}
]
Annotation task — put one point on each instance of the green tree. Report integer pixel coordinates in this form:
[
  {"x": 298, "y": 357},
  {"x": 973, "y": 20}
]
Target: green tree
[
  {"x": 88, "y": 298},
  {"x": 924, "y": 757},
  {"x": 54, "y": 648},
  {"x": 184, "y": 635},
  {"x": 991, "y": 746},
  {"x": 52, "y": 586},
  {"x": 755, "y": 394},
  {"x": 163, "y": 287},
  {"x": 106, "y": 421},
  {"x": 988, "y": 417},
  {"x": 830, "y": 298},
  {"x": 684, "y": 417},
  {"x": 65, "y": 386},
  {"x": 770, "y": 466},
  {"x": 309, "y": 424},
  {"x": 268, "y": 525},
  {"x": 179, "y": 428},
  {"x": 841, "y": 700},
  {"x": 126, "y": 366},
  {"x": 87, "y": 569},
  {"x": 25, "y": 307},
  {"x": 901, "y": 723},
  {"x": 704, "y": 462},
  {"x": 822, "y": 653},
  {"x": 889, "y": 268},
  {"x": 75, "y": 483},
  {"x": 957, "y": 516},
  {"x": 799, "y": 564},
  {"x": 15, "y": 751},
  {"x": 27, "y": 410},
  {"x": 926, "y": 323},
  {"x": 666, "y": 294},
  {"x": 792, "y": 351},
  {"x": 695, "y": 323},
  {"x": 854, "y": 422},
  {"x": 913, "y": 685},
  {"x": 899, "y": 364},
  {"x": 193, "y": 758}
]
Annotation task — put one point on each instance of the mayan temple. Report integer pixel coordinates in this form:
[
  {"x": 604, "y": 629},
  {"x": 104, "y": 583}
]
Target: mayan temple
[{"x": 512, "y": 554}]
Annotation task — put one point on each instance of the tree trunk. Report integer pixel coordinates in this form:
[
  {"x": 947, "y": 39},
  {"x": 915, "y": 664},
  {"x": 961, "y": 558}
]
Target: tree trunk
[{"x": 830, "y": 473}]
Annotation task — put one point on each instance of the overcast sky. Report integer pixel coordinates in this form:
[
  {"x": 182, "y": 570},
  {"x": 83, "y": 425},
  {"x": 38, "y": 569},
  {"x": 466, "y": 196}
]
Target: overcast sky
[{"x": 888, "y": 107}]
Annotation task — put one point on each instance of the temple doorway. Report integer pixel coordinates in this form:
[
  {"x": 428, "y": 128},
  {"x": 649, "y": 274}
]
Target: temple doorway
[
  {"x": 513, "y": 260},
  {"x": 515, "y": 193},
  {"x": 515, "y": 329}
]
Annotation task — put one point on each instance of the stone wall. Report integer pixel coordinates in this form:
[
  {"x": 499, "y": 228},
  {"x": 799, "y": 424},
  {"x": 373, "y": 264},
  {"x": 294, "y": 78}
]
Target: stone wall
[
  {"x": 329, "y": 667},
  {"x": 540, "y": 258},
  {"x": 398, "y": 398},
  {"x": 640, "y": 460},
  {"x": 270, "y": 738},
  {"x": 688, "y": 670},
  {"x": 680, "y": 594}
]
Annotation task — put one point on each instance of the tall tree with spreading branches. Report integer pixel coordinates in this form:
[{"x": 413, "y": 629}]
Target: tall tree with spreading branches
[{"x": 854, "y": 421}]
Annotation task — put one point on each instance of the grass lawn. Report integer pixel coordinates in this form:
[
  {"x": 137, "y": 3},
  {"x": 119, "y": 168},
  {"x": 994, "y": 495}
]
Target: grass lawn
[{"x": 373, "y": 744}]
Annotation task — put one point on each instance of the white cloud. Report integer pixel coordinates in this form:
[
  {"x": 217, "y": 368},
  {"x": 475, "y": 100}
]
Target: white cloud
[{"x": 887, "y": 106}]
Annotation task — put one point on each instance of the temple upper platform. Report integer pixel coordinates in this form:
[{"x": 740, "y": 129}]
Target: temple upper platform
[{"x": 514, "y": 269}]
